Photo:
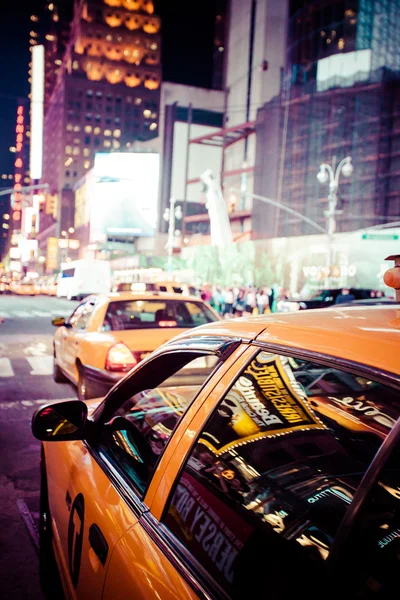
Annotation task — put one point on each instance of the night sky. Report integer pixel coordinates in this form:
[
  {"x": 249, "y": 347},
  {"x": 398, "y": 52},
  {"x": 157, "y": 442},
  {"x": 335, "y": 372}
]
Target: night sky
[{"x": 187, "y": 55}]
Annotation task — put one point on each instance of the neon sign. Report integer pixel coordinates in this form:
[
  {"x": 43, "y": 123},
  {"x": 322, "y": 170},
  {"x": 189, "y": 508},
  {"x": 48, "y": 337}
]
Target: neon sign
[{"x": 19, "y": 165}]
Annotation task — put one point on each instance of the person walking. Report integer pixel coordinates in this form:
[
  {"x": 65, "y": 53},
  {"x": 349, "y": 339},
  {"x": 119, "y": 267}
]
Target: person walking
[
  {"x": 228, "y": 301},
  {"x": 262, "y": 301},
  {"x": 251, "y": 303},
  {"x": 218, "y": 300}
]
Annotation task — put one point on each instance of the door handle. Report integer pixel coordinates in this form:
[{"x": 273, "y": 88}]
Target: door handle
[{"x": 98, "y": 543}]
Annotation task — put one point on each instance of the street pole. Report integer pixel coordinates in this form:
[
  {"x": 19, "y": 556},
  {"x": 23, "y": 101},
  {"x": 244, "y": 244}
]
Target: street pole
[
  {"x": 171, "y": 229},
  {"x": 331, "y": 174},
  {"x": 172, "y": 213}
]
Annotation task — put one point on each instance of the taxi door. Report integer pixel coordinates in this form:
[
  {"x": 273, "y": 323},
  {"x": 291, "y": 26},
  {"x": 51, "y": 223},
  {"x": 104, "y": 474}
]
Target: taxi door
[
  {"x": 88, "y": 517},
  {"x": 73, "y": 339}
]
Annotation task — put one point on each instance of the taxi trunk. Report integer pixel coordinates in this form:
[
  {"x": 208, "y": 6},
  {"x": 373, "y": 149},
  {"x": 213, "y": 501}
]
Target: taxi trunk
[{"x": 144, "y": 341}]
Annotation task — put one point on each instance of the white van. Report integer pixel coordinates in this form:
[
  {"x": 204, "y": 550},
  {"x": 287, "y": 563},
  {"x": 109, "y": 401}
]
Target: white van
[{"x": 80, "y": 278}]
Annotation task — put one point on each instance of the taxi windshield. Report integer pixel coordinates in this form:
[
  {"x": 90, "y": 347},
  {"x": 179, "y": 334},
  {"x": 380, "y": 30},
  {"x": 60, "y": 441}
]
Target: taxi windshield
[{"x": 157, "y": 313}]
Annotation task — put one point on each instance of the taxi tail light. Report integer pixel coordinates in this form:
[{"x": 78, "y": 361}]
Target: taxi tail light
[{"x": 120, "y": 358}]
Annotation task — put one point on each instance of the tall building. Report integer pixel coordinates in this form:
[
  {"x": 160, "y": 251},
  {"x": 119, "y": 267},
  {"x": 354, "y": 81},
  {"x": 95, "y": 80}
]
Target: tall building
[
  {"x": 340, "y": 97},
  {"x": 254, "y": 58},
  {"x": 106, "y": 95}
]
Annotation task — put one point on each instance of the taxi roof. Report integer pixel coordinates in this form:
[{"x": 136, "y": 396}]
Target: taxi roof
[
  {"x": 155, "y": 295},
  {"x": 368, "y": 335}
]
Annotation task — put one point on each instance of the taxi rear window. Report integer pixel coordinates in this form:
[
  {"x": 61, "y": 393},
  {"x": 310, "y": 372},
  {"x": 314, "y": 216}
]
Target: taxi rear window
[{"x": 154, "y": 314}]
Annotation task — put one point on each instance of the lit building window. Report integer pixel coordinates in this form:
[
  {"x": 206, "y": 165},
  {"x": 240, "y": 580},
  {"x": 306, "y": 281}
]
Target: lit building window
[
  {"x": 153, "y": 126},
  {"x": 69, "y": 127},
  {"x": 117, "y": 133},
  {"x": 107, "y": 143},
  {"x": 87, "y": 164},
  {"x": 116, "y": 144},
  {"x": 76, "y": 151},
  {"x": 96, "y": 130},
  {"x": 86, "y": 152},
  {"x": 34, "y": 18},
  {"x": 68, "y": 150},
  {"x": 138, "y": 101},
  {"x": 77, "y": 127},
  {"x": 128, "y": 99},
  {"x": 154, "y": 115},
  {"x": 109, "y": 38},
  {"x": 75, "y": 65},
  {"x": 88, "y": 129},
  {"x": 153, "y": 46},
  {"x": 107, "y": 132},
  {"x": 77, "y": 141},
  {"x": 340, "y": 43},
  {"x": 147, "y": 113}
]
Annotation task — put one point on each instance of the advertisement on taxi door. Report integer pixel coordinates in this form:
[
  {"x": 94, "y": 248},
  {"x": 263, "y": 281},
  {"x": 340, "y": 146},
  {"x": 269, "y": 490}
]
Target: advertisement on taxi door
[{"x": 265, "y": 401}]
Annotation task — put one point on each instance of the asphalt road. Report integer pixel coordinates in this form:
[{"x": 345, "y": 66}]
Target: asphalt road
[{"x": 25, "y": 384}]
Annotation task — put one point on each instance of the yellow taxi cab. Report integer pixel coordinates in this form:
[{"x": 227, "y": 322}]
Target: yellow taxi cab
[
  {"x": 107, "y": 335},
  {"x": 170, "y": 287},
  {"x": 26, "y": 287},
  {"x": 250, "y": 458}
]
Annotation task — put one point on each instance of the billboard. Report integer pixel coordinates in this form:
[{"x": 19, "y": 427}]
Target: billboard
[
  {"x": 121, "y": 196},
  {"x": 37, "y": 117}
]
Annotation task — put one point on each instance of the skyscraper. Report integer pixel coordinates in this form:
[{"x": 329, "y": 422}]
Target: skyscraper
[{"x": 106, "y": 95}]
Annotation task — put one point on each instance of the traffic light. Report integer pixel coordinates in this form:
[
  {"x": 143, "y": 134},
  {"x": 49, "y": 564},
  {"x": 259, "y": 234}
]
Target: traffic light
[{"x": 51, "y": 205}]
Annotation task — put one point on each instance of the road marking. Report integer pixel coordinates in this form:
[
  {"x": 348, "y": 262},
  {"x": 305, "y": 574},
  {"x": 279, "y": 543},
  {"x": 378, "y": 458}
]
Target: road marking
[
  {"x": 29, "y": 521},
  {"x": 23, "y": 403},
  {"x": 38, "y": 349},
  {"x": 4, "y": 315},
  {"x": 6, "y": 369},
  {"x": 21, "y": 314},
  {"x": 41, "y": 365},
  {"x": 41, "y": 313},
  {"x": 27, "y": 402}
]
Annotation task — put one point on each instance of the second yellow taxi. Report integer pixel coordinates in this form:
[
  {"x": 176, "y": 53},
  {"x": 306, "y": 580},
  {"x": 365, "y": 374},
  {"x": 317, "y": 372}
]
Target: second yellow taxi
[{"x": 107, "y": 335}]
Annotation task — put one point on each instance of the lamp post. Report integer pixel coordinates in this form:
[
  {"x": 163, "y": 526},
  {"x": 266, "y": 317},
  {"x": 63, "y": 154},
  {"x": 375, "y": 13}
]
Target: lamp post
[
  {"x": 172, "y": 213},
  {"x": 65, "y": 235},
  {"x": 331, "y": 175}
]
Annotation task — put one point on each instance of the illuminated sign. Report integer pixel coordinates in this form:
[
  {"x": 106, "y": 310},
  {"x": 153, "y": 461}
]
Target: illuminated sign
[
  {"x": 121, "y": 195},
  {"x": 19, "y": 167},
  {"x": 52, "y": 253},
  {"x": 37, "y": 112},
  {"x": 318, "y": 272}
]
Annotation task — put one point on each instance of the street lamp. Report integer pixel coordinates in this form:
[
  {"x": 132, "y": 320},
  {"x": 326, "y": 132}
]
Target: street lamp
[
  {"x": 171, "y": 214},
  {"x": 328, "y": 174}
]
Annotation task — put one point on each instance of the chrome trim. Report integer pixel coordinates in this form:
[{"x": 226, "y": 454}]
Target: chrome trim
[{"x": 121, "y": 485}]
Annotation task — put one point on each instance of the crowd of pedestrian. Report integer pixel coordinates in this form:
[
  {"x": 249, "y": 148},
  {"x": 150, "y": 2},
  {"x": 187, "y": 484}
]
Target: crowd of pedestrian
[{"x": 239, "y": 301}]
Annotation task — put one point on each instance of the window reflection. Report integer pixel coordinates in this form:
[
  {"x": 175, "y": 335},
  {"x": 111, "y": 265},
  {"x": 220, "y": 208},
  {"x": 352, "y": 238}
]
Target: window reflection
[{"x": 279, "y": 462}]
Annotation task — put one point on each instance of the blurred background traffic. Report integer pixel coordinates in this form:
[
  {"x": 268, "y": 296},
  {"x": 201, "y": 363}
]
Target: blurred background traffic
[{"x": 252, "y": 145}]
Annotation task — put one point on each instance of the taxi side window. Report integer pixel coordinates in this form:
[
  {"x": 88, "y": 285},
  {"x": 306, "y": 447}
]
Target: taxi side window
[
  {"x": 275, "y": 469},
  {"x": 85, "y": 315},
  {"x": 142, "y": 426},
  {"x": 77, "y": 314},
  {"x": 375, "y": 537}
]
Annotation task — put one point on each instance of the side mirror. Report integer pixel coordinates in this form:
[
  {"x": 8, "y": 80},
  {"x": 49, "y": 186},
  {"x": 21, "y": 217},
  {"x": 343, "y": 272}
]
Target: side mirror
[
  {"x": 59, "y": 322},
  {"x": 61, "y": 421}
]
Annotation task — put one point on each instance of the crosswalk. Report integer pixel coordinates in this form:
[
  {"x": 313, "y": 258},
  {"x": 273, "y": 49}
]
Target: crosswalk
[
  {"x": 30, "y": 314},
  {"x": 28, "y": 365}
]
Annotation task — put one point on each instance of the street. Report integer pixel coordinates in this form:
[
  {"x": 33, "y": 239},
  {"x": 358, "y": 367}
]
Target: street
[{"x": 25, "y": 384}]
